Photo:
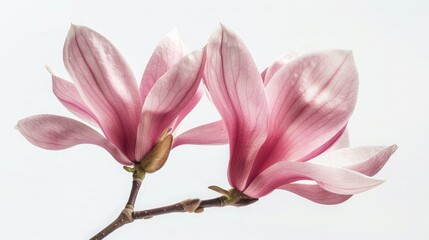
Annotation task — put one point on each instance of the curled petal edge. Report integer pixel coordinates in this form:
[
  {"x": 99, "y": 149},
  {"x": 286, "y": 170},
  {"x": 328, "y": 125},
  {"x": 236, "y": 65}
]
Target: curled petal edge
[
  {"x": 376, "y": 157},
  {"x": 54, "y": 132}
]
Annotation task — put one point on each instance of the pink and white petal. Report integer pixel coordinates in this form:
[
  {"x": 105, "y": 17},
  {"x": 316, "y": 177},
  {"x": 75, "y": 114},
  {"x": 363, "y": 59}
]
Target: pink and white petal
[
  {"x": 269, "y": 72},
  {"x": 68, "y": 95},
  {"x": 315, "y": 193},
  {"x": 327, "y": 146},
  {"x": 56, "y": 132},
  {"x": 263, "y": 74},
  {"x": 267, "y": 157},
  {"x": 374, "y": 164},
  {"x": 311, "y": 100},
  {"x": 336, "y": 180},
  {"x": 208, "y": 134},
  {"x": 105, "y": 83},
  {"x": 167, "y": 53},
  {"x": 188, "y": 108},
  {"x": 367, "y": 160},
  {"x": 237, "y": 91},
  {"x": 342, "y": 142},
  {"x": 167, "y": 98}
]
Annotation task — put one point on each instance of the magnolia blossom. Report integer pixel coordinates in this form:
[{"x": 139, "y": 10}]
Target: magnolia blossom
[
  {"x": 281, "y": 121},
  {"x": 104, "y": 93}
]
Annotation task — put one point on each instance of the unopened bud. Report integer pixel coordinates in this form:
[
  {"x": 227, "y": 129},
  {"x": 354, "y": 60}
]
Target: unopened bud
[{"x": 157, "y": 156}]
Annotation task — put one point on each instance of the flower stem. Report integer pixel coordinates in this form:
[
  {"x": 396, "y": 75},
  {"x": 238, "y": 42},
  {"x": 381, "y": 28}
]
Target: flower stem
[
  {"x": 126, "y": 215},
  {"x": 134, "y": 192}
]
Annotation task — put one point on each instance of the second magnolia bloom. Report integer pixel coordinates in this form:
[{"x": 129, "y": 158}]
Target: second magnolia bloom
[{"x": 281, "y": 121}]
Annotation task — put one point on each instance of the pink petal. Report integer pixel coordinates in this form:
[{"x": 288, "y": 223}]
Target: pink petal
[
  {"x": 336, "y": 180},
  {"x": 237, "y": 91},
  {"x": 366, "y": 160},
  {"x": 269, "y": 72},
  {"x": 342, "y": 142},
  {"x": 315, "y": 193},
  {"x": 55, "y": 133},
  {"x": 311, "y": 100},
  {"x": 68, "y": 95},
  {"x": 167, "y": 98},
  {"x": 208, "y": 134},
  {"x": 188, "y": 108},
  {"x": 168, "y": 52},
  {"x": 105, "y": 83}
]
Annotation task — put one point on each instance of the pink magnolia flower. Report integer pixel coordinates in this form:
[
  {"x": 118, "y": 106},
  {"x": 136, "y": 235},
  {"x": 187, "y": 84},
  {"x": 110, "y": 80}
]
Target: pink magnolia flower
[
  {"x": 104, "y": 92},
  {"x": 281, "y": 121}
]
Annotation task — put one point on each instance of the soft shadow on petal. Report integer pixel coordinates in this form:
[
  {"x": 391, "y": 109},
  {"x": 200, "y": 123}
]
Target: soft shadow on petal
[
  {"x": 237, "y": 91},
  {"x": 55, "y": 133},
  {"x": 311, "y": 100},
  {"x": 167, "y": 98},
  {"x": 188, "y": 108},
  {"x": 167, "y": 53},
  {"x": 208, "y": 134}
]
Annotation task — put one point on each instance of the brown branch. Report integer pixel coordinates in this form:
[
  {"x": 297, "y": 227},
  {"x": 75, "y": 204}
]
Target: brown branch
[
  {"x": 190, "y": 205},
  {"x": 126, "y": 215},
  {"x": 124, "y": 218},
  {"x": 232, "y": 197},
  {"x": 134, "y": 192}
]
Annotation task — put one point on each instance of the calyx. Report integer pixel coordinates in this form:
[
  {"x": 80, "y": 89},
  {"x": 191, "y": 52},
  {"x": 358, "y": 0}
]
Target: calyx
[
  {"x": 155, "y": 158},
  {"x": 234, "y": 197}
]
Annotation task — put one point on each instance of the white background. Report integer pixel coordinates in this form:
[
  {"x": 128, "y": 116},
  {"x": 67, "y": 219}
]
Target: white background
[{"x": 71, "y": 194}]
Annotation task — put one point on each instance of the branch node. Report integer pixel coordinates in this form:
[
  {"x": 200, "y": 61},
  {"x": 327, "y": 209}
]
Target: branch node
[
  {"x": 191, "y": 205},
  {"x": 199, "y": 210}
]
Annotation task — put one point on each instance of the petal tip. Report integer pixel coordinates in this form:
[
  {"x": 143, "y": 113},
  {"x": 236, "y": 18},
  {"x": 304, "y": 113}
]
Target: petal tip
[
  {"x": 378, "y": 182},
  {"x": 348, "y": 54},
  {"x": 225, "y": 29},
  {"x": 392, "y": 149},
  {"x": 175, "y": 36},
  {"x": 50, "y": 69},
  {"x": 70, "y": 35},
  {"x": 175, "y": 33},
  {"x": 338, "y": 52},
  {"x": 21, "y": 125},
  {"x": 74, "y": 26}
]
